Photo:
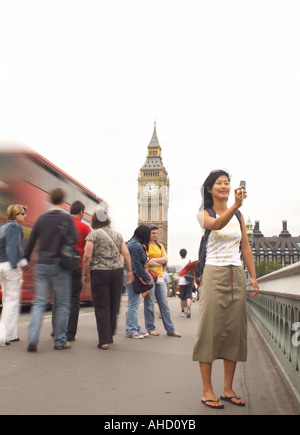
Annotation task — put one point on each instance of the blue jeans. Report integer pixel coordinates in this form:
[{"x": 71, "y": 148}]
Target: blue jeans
[
  {"x": 158, "y": 291},
  {"x": 51, "y": 277},
  {"x": 132, "y": 325}
]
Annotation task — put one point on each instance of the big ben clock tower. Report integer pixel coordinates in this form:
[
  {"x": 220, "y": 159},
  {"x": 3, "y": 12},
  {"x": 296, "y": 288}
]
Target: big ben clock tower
[{"x": 153, "y": 191}]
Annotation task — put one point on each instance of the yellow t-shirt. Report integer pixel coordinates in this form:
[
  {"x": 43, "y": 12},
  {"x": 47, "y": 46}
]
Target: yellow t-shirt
[{"x": 154, "y": 252}]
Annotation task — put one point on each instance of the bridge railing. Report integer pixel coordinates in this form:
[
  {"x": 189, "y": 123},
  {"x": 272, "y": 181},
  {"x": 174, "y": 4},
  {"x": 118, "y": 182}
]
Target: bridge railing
[{"x": 276, "y": 312}]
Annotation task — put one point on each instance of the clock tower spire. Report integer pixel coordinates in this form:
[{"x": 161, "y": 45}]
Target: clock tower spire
[{"x": 153, "y": 191}]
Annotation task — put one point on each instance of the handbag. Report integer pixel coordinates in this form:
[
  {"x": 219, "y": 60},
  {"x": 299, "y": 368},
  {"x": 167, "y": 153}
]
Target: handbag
[{"x": 139, "y": 285}]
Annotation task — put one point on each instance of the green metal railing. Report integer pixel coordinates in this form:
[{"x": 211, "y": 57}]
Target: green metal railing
[{"x": 278, "y": 318}]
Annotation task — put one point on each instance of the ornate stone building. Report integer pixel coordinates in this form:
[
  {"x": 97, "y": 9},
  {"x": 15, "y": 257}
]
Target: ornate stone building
[
  {"x": 283, "y": 249},
  {"x": 153, "y": 191}
]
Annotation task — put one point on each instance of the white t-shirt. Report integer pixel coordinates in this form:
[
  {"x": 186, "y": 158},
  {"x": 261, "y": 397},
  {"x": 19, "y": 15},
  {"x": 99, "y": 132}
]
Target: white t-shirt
[
  {"x": 179, "y": 266},
  {"x": 223, "y": 246}
]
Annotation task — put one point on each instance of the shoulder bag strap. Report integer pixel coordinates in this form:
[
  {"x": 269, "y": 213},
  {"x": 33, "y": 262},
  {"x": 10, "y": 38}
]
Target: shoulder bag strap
[{"x": 112, "y": 241}]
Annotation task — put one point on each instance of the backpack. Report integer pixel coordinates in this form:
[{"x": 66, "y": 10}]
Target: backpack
[
  {"x": 190, "y": 278},
  {"x": 199, "y": 267},
  {"x": 69, "y": 256}
]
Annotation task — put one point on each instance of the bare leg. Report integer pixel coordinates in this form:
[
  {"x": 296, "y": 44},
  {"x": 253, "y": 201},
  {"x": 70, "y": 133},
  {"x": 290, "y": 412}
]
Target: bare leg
[
  {"x": 229, "y": 371},
  {"x": 182, "y": 305},
  {"x": 208, "y": 393}
]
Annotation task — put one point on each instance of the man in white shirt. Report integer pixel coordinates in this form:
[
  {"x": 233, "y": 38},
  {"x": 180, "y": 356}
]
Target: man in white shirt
[{"x": 184, "y": 287}]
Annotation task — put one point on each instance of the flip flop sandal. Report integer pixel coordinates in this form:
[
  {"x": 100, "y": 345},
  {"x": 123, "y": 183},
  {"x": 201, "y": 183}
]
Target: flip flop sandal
[
  {"x": 230, "y": 400},
  {"x": 206, "y": 403}
]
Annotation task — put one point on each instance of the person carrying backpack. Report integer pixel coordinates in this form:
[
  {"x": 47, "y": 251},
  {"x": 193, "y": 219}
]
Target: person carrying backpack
[
  {"x": 222, "y": 329},
  {"x": 185, "y": 284}
]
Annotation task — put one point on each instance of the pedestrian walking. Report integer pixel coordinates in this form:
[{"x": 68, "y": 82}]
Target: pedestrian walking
[
  {"x": 102, "y": 256},
  {"x": 77, "y": 213},
  {"x": 222, "y": 330},
  {"x": 11, "y": 264},
  {"x": 185, "y": 286},
  {"x": 52, "y": 229},
  {"x": 158, "y": 257},
  {"x": 137, "y": 249}
]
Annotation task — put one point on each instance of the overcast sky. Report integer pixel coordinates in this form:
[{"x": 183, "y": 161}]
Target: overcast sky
[{"x": 81, "y": 82}]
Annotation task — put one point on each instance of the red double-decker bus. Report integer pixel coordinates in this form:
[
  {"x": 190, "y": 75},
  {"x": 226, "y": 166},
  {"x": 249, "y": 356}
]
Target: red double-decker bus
[{"x": 27, "y": 178}]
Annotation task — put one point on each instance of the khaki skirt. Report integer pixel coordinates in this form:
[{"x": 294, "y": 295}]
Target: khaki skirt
[{"x": 222, "y": 330}]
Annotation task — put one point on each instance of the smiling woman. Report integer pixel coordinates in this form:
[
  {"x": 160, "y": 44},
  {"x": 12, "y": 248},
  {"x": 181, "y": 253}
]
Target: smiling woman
[
  {"x": 215, "y": 178},
  {"x": 222, "y": 330}
]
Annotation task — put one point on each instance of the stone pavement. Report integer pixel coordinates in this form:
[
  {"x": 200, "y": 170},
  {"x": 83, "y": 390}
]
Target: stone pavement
[{"x": 153, "y": 376}]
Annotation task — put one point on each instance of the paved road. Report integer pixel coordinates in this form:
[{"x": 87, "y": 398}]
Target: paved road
[{"x": 153, "y": 376}]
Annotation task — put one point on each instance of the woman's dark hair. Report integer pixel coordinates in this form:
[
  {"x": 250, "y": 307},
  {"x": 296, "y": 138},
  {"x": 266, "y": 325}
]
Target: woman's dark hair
[
  {"x": 95, "y": 224},
  {"x": 153, "y": 227},
  {"x": 142, "y": 233},
  {"x": 208, "y": 184}
]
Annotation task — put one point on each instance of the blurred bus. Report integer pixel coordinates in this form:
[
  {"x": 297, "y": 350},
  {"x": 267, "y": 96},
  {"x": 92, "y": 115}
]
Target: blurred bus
[{"x": 27, "y": 178}]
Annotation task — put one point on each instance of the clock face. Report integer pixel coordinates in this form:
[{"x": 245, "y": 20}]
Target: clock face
[{"x": 150, "y": 189}]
